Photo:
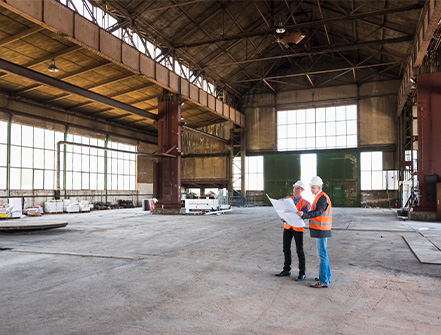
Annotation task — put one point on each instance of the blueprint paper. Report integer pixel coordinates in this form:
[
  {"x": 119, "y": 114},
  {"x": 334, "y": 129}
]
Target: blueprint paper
[{"x": 287, "y": 210}]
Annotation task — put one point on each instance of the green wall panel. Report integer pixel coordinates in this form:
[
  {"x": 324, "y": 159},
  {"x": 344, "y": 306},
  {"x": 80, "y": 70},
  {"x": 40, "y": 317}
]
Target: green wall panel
[
  {"x": 280, "y": 172},
  {"x": 339, "y": 172}
]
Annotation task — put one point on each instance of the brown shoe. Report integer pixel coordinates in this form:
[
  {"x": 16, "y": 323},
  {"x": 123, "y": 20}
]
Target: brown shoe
[{"x": 318, "y": 285}]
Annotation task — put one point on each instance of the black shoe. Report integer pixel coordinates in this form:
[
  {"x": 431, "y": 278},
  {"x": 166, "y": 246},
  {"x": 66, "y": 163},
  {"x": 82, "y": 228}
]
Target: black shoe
[
  {"x": 283, "y": 274},
  {"x": 300, "y": 278}
]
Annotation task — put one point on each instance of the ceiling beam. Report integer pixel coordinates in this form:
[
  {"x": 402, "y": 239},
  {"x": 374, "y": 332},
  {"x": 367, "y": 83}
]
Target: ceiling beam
[
  {"x": 320, "y": 51},
  {"x": 150, "y": 10},
  {"x": 316, "y": 72},
  {"x": 208, "y": 34},
  {"x": 53, "y": 55},
  {"x": 64, "y": 77},
  {"x": 93, "y": 87},
  {"x": 303, "y": 25},
  {"x": 400, "y": 29},
  {"x": 52, "y": 82},
  {"x": 428, "y": 24},
  {"x": 150, "y": 97},
  {"x": 118, "y": 117},
  {"x": 49, "y": 57},
  {"x": 19, "y": 35}
]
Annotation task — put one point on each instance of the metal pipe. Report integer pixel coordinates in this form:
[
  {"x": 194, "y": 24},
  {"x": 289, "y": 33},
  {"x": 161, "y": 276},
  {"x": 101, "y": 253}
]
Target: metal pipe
[
  {"x": 78, "y": 195},
  {"x": 66, "y": 132},
  {"x": 8, "y": 157},
  {"x": 106, "y": 142},
  {"x": 38, "y": 117}
]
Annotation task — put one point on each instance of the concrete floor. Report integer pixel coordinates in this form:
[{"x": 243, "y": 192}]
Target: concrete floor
[{"x": 127, "y": 272}]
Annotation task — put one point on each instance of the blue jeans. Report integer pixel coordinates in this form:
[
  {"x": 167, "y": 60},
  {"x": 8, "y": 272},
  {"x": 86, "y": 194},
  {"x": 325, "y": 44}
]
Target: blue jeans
[{"x": 324, "y": 270}]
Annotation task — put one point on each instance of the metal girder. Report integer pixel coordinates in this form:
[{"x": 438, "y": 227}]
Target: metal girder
[
  {"x": 429, "y": 21},
  {"x": 171, "y": 6},
  {"x": 316, "y": 72},
  {"x": 49, "y": 57},
  {"x": 128, "y": 90},
  {"x": 303, "y": 25},
  {"x": 49, "y": 81},
  {"x": 401, "y": 29},
  {"x": 71, "y": 74},
  {"x": 352, "y": 46},
  {"x": 206, "y": 32}
]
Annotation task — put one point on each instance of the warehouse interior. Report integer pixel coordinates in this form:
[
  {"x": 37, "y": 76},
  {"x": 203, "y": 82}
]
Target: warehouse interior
[
  {"x": 338, "y": 81},
  {"x": 130, "y": 109}
]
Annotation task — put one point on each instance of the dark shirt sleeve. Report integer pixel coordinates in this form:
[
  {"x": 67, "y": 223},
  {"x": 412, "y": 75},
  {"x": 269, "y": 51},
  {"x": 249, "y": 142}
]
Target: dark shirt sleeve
[
  {"x": 320, "y": 208},
  {"x": 306, "y": 208}
]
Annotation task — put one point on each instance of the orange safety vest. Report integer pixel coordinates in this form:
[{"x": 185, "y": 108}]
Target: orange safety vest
[
  {"x": 302, "y": 203},
  {"x": 324, "y": 221}
]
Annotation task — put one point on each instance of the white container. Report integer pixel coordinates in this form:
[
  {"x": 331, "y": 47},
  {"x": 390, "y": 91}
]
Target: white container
[
  {"x": 53, "y": 206},
  {"x": 84, "y": 206}
]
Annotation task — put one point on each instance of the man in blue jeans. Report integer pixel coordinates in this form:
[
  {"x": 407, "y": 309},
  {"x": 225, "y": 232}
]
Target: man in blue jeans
[{"x": 320, "y": 224}]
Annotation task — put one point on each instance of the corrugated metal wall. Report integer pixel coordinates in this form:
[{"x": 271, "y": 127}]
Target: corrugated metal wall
[
  {"x": 339, "y": 172},
  {"x": 279, "y": 172}
]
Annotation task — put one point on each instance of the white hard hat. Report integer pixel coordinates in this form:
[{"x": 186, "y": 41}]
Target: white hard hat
[
  {"x": 299, "y": 183},
  {"x": 316, "y": 181}
]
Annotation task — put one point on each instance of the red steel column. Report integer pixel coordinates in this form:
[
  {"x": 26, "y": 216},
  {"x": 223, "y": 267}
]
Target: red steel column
[
  {"x": 429, "y": 137},
  {"x": 167, "y": 187}
]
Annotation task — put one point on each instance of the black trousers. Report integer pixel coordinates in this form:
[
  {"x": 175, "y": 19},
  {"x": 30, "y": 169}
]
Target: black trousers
[{"x": 288, "y": 234}]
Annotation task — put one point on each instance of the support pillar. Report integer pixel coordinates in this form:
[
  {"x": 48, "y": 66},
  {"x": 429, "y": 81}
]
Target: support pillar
[
  {"x": 429, "y": 139},
  {"x": 243, "y": 165},
  {"x": 167, "y": 172}
]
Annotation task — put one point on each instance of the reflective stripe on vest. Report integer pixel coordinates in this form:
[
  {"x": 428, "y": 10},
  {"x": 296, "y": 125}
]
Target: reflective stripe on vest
[{"x": 324, "y": 221}]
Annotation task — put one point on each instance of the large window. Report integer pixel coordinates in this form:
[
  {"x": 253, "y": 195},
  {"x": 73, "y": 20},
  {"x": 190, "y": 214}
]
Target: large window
[
  {"x": 33, "y": 157},
  {"x": 33, "y": 161},
  {"x": 317, "y": 128},
  {"x": 84, "y": 165},
  {"x": 121, "y": 167},
  {"x": 373, "y": 177},
  {"x": 3, "y": 153},
  {"x": 253, "y": 173}
]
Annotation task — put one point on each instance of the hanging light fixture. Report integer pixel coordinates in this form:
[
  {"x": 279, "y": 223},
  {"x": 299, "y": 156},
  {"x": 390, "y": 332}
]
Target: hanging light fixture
[
  {"x": 53, "y": 67},
  {"x": 280, "y": 29}
]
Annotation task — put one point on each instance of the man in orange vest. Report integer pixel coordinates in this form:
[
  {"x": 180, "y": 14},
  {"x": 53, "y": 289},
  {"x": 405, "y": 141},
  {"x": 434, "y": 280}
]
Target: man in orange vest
[
  {"x": 297, "y": 232},
  {"x": 320, "y": 224}
]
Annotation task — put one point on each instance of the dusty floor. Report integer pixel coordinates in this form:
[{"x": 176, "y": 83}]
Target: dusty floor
[{"x": 126, "y": 272}]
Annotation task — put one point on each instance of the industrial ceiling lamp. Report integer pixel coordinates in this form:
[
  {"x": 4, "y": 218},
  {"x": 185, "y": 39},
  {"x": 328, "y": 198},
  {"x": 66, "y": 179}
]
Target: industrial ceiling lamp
[
  {"x": 280, "y": 29},
  {"x": 52, "y": 67}
]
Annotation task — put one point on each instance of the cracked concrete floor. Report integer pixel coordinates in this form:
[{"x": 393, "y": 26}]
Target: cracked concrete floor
[{"x": 127, "y": 272}]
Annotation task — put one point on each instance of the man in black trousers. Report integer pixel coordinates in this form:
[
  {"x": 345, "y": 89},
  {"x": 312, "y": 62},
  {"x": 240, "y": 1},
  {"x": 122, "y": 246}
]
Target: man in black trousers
[{"x": 297, "y": 232}]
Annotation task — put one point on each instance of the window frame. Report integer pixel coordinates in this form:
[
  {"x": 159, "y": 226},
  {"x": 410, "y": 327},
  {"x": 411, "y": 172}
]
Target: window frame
[{"x": 318, "y": 128}]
